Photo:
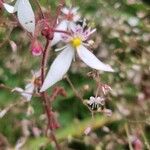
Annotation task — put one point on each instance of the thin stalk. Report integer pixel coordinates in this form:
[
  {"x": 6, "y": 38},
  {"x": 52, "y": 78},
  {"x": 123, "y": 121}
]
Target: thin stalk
[
  {"x": 74, "y": 89},
  {"x": 128, "y": 136},
  {"x": 40, "y": 9}
]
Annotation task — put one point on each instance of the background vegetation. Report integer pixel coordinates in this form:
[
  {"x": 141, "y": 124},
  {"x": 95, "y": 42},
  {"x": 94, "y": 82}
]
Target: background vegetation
[{"x": 122, "y": 40}]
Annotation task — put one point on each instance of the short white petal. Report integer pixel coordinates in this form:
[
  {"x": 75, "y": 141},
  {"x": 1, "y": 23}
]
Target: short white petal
[
  {"x": 74, "y": 10},
  {"x": 9, "y": 8},
  {"x": 28, "y": 91},
  {"x": 76, "y": 18},
  {"x": 58, "y": 68},
  {"x": 57, "y": 35},
  {"x": 26, "y": 15},
  {"x": 65, "y": 10},
  {"x": 91, "y": 60},
  {"x": 72, "y": 26}
]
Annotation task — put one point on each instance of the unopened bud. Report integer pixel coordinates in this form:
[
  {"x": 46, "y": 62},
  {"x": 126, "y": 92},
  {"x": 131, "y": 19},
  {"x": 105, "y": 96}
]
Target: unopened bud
[
  {"x": 36, "y": 48},
  {"x": 48, "y": 33},
  {"x": 105, "y": 88},
  {"x": 137, "y": 144},
  {"x": 87, "y": 130}
]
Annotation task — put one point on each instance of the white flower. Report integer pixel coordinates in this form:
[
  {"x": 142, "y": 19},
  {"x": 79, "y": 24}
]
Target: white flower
[
  {"x": 96, "y": 100},
  {"x": 62, "y": 26},
  {"x": 29, "y": 88},
  {"x": 76, "y": 42},
  {"x": 24, "y": 12},
  {"x": 70, "y": 14},
  {"x": 69, "y": 19}
]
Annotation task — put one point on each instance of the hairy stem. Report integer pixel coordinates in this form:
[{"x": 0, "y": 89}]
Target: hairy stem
[
  {"x": 40, "y": 9},
  {"x": 47, "y": 105},
  {"x": 58, "y": 11}
]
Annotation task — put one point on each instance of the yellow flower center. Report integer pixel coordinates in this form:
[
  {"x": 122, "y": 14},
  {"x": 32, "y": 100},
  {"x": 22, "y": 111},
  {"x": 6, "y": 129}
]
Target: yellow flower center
[{"x": 76, "y": 42}]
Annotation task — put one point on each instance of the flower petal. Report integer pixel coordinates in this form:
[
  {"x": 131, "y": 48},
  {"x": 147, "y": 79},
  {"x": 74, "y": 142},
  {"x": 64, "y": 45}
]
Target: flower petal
[
  {"x": 58, "y": 36},
  {"x": 58, "y": 68},
  {"x": 9, "y": 8},
  {"x": 28, "y": 91},
  {"x": 76, "y": 18},
  {"x": 17, "y": 89},
  {"x": 91, "y": 60},
  {"x": 26, "y": 15},
  {"x": 74, "y": 10},
  {"x": 65, "y": 10},
  {"x": 16, "y": 5}
]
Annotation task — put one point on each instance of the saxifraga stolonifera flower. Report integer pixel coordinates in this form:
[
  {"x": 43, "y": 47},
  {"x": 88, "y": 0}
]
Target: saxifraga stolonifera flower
[
  {"x": 76, "y": 38},
  {"x": 76, "y": 42}
]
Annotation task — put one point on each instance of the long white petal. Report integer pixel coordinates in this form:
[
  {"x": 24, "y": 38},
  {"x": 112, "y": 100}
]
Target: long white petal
[
  {"x": 16, "y": 5},
  {"x": 58, "y": 68},
  {"x": 91, "y": 60},
  {"x": 28, "y": 91},
  {"x": 9, "y": 8},
  {"x": 17, "y": 89},
  {"x": 57, "y": 36},
  {"x": 26, "y": 15}
]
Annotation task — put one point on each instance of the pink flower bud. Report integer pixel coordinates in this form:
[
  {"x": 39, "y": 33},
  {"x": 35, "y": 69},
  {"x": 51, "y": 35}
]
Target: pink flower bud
[
  {"x": 36, "y": 48},
  {"x": 105, "y": 88},
  {"x": 87, "y": 130},
  {"x": 137, "y": 144}
]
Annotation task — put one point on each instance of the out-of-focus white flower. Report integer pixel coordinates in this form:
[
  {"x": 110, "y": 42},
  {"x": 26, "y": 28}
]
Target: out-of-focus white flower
[
  {"x": 95, "y": 102},
  {"x": 29, "y": 88},
  {"x": 70, "y": 14},
  {"x": 69, "y": 19},
  {"x": 133, "y": 21},
  {"x": 76, "y": 41},
  {"x": 24, "y": 12}
]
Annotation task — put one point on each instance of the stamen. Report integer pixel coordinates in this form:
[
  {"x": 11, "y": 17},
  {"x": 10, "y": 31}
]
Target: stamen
[{"x": 76, "y": 42}]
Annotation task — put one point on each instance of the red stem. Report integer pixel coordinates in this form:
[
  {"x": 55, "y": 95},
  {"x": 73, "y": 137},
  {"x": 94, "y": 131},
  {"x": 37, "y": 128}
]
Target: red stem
[
  {"x": 47, "y": 105},
  {"x": 44, "y": 96}
]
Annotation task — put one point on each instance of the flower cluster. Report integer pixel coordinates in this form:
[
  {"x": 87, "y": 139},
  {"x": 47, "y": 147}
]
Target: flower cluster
[
  {"x": 74, "y": 35},
  {"x": 68, "y": 30}
]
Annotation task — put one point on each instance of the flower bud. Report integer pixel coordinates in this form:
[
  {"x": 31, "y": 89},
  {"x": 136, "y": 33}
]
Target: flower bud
[
  {"x": 48, "y": 33},
  {"x": 87, "y": 130},
  {"x": 137, "y": 144},
  {"x": 36, "y": 48}
]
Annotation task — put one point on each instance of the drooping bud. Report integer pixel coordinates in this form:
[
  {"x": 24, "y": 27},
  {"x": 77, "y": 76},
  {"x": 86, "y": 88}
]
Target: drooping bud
[
  {"x": 105, "y": 88},
  {"x": 36, "y": 48},
  {"x": 137, "y": 144}
]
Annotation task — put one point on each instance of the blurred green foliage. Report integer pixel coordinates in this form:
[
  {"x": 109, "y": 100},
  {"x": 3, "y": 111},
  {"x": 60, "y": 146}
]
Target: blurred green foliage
[{"x": 122, "y": 39}]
